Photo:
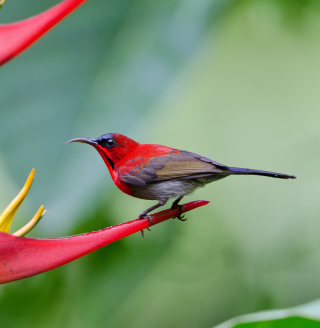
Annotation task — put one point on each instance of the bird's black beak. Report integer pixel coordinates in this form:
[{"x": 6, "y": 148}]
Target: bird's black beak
[{"x": 92, "y": 142}]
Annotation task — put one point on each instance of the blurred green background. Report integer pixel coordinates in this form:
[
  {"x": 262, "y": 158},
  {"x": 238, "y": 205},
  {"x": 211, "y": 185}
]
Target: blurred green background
[{"x": 237, "y": 81}]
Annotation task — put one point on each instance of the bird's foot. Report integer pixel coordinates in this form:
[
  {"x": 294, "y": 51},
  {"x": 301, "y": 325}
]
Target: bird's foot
[
  {"x": 144, "y": 216},
  {"x": 142, "y": 233},
  {"x": 179, "y": 217}
]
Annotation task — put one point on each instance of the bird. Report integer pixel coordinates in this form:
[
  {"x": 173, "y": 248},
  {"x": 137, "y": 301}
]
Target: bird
[{"x": 156, "y": 172}]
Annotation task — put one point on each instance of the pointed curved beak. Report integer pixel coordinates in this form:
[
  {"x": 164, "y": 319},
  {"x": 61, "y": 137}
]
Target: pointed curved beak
[{"x": 84, "y": 140}]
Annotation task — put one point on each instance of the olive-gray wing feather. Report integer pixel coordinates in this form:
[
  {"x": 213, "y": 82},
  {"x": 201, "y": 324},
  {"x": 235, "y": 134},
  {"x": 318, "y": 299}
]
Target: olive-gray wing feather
[{"x": 182, "y": 165}]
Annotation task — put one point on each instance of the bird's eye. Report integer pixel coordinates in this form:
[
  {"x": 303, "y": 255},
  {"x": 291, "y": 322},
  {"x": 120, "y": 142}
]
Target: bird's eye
[{"x": 110, "y": 142}]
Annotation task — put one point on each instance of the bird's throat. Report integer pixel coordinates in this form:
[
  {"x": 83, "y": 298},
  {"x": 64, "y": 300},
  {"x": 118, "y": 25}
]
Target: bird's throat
[
  {"x": 106, "y": 159},
  {"x": 110, "y": 162}
]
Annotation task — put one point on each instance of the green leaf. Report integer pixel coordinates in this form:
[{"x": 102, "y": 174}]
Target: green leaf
[{"x": 304, "y": 316}]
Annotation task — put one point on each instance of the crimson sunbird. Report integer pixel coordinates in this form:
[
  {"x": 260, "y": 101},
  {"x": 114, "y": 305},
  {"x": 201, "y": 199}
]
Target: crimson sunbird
[{"x": 156, "y": 172}]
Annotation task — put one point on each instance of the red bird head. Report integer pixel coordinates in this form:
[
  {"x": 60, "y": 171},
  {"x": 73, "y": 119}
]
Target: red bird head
[{"x": 112, "y": 147}]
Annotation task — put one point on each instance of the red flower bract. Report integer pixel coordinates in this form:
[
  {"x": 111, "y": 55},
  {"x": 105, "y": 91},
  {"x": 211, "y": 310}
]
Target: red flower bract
[
  {"x": 22, "y": 257},
  {"x": 16, "y": 37}
]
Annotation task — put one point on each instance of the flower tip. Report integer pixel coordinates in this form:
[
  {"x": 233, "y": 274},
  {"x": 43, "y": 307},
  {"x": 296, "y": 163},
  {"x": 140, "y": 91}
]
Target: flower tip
[
  {"x": 33, "y": 222},
  {"x": 8, "y": 214},
  {"x": 30, "y": 179}
]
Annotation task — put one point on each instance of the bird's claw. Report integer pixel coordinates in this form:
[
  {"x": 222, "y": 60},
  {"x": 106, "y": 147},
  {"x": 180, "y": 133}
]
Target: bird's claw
[
  {"x": 180, "y": 217},
  {"x": 143, "y": 216},
  {"x": 142, "y": 233}
]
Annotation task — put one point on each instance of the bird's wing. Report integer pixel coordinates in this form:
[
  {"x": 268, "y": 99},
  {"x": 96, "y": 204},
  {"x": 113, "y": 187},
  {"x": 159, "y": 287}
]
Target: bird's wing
[{"x": 181, "y": 165}]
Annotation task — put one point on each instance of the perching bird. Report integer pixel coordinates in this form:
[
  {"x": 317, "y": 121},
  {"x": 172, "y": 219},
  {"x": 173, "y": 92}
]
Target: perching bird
[{"x": 158, "y": 172}]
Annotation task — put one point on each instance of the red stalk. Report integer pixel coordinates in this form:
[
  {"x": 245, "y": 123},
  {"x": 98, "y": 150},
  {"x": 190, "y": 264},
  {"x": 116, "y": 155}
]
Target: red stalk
[
  {"x": 16, "y": 37},
  {"x": 22, "y": 257}
]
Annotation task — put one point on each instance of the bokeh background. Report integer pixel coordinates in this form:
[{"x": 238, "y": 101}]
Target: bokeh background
[{"x": 237, "y": 81}]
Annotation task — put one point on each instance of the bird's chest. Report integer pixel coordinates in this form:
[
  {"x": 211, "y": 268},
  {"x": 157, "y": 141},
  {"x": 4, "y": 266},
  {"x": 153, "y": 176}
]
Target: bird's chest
[{"x": 121, "y": 185}]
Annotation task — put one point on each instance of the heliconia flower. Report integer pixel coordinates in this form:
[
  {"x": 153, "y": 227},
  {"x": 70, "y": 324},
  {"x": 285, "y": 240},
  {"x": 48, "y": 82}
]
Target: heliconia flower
[
  {"x": 8, "y": 214},
  {"x": 16, "y": 37},
  {"x": 22, "y": 257}
]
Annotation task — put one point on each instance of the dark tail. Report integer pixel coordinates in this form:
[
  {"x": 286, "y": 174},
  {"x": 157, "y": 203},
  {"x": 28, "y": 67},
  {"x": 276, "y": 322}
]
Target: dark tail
[{"x": 238, "y": 170}]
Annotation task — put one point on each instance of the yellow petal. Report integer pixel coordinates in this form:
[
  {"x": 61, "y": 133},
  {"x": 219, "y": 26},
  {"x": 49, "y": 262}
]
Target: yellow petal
[
  {"x": 33, "y": 222},
  {"x": 8, "y": 214},
  {"x": 2, "y": 2}
]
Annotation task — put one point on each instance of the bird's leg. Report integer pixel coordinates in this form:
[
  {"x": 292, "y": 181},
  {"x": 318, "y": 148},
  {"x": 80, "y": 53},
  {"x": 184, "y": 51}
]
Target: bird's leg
[
  {"x": 174, "y": 205},
  {"x": 176, "y": 202},
  {"x": 143, "y": 215}
]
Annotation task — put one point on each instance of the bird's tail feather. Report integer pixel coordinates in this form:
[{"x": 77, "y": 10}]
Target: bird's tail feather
[{"x": 238, "y": 170}]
